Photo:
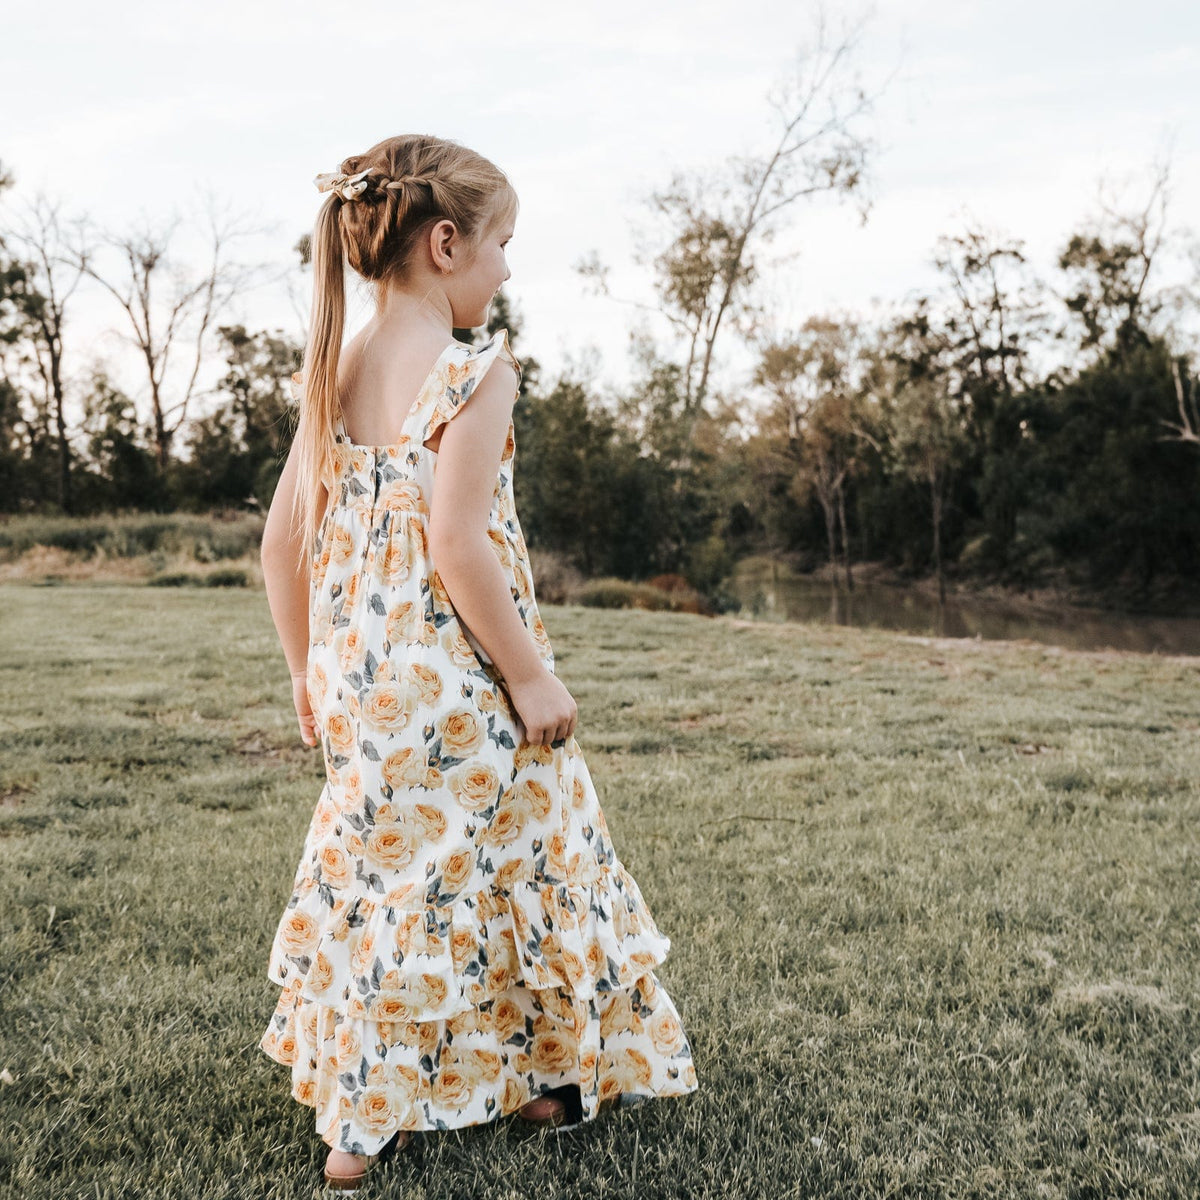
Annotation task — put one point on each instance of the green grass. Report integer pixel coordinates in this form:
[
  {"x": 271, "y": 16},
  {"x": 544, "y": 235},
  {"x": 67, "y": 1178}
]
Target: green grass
[{"x": 934, "y": 910}]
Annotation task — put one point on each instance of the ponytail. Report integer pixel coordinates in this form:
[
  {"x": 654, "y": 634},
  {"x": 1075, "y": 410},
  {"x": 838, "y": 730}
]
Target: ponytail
[{"x": 319, "y": 404}]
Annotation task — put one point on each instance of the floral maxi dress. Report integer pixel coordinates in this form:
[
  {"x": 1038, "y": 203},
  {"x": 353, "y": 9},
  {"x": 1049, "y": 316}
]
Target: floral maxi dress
[{"x": 461, "y": 934}]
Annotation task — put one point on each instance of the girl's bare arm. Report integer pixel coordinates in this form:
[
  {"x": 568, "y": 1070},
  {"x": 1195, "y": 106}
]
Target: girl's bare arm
[
  {"x": 285, "y": 570},
  {"x": 468, "y": 461}
]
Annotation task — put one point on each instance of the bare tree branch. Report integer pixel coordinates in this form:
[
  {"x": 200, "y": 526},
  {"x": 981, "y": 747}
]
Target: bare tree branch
[
  {"x": 1188, "y": 427},
  {"x": 718, "y": 220},
  {"x": 194, "y": 303},
  {"x": 43, "y": 297}
]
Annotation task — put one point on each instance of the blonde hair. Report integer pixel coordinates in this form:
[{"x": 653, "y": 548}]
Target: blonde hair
[{"x": 414, "y": 181}]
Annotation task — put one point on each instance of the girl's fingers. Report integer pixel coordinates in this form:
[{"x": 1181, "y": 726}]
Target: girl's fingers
[{"x": 304, "y": 713}]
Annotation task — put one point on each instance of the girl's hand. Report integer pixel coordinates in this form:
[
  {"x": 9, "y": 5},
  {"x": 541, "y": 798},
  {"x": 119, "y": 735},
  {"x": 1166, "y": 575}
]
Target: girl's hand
[
  {"x": 546, "y": 710},
  {"x": 308, "y": 723}
]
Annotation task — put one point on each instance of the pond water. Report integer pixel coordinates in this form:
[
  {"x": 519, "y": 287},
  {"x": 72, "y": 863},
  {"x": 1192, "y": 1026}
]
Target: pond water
[{"x": 790, "y": 597}]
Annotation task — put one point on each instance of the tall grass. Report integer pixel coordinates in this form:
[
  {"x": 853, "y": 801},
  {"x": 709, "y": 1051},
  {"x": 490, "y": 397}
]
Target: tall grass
[
  {"x": 205, "y": 537},
  {"x": 934, "y": 910}
]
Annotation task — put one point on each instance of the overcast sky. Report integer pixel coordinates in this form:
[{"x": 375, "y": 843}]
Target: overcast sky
[{"x": 1011, "y": 113}]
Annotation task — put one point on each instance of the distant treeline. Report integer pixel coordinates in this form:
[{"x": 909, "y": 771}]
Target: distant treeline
[{"x": 994, "y": 427}]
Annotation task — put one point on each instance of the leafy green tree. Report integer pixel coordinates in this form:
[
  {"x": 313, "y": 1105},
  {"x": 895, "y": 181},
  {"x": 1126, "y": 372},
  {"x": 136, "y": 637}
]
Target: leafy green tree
[
  {"x": 17, "y": 485},
  {"x": 925, "y": 424},
  {"x": 1108, "y": 266},
  {"x": 667, "y": 471},
  {"x": 43, "y": 291},
  {"x": 237, "y": 451},
  {"x": 121, "y": 471},
  {"x": 567, "y": 502},
  {"x": 1116, "y": 497},
  {"x": 982, "y": 335},
  {"x": 812, "y": 379}
]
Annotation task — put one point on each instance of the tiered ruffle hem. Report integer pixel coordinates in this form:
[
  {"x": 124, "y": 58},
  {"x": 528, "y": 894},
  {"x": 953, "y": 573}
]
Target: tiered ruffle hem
[{"x": 441, "y": 1016}]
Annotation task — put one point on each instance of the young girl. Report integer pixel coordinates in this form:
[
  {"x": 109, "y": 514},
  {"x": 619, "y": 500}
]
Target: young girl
[{"x": 462, "y": 941}]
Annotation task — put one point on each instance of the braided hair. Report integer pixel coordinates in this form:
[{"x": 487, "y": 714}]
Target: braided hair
[{"x": 379, "y": 205}]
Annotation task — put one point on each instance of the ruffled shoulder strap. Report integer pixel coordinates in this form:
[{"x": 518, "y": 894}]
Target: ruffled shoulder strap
[
  {"x": 463, "y": 374},
  {"x": 496, "y": 347}
]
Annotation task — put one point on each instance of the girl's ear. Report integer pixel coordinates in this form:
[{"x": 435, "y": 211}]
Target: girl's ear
[{"x": 443, "y": 241}]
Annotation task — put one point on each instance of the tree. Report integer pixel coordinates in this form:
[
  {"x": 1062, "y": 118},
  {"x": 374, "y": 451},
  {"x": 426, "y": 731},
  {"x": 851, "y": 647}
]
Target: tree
[
  {"x": 993, "y": 322},
  {"x": 1118, "y": 496},
  {"x": 194, "y": 302},
  {"x": 1108, "y": 265},
  {"x": 983, "y": 336},
  {"x": 124, "y": 472},
  {"x": 42, "y": 292},
  {"x": 237, "y": 451},
  {"x": 15, "y": 334},
  {"x": 568, "y": 502},
  {"x": 717, "y": 221},
  {"x": 926, "y": 436},
  {"x": 1187, "y": 428},
  {"x": 924, "y": 422},
  {"x": 813, "y": 381}
]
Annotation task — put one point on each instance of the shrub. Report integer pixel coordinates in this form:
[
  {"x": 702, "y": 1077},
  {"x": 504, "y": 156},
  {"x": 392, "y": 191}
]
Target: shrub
[{"x": 610, "y": 592}]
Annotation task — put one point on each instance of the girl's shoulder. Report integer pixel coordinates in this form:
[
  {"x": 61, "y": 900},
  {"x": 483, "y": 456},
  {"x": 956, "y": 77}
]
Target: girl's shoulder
[
  {"x": 461, "y": 375},
  {"x": 478, "y": 359},
  {"x": 462, "y": 372}
]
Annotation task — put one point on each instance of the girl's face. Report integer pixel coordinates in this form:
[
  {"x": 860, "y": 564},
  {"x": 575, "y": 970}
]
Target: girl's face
[{"x": 477, "y": 285}]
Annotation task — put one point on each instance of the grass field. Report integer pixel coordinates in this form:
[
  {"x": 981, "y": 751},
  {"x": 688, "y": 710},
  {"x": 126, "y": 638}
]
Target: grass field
[{"x": 934, "y": 910}]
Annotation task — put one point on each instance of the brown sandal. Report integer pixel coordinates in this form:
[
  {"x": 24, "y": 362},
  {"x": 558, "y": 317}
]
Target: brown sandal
[
  {"x": 351, "y": 1183},
  {"x": 566, "y": 1110},
  {"x": 555, "y": 1114}
]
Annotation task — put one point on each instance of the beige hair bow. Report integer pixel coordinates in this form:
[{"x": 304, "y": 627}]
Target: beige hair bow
[{"x": 349, "y": 187}]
